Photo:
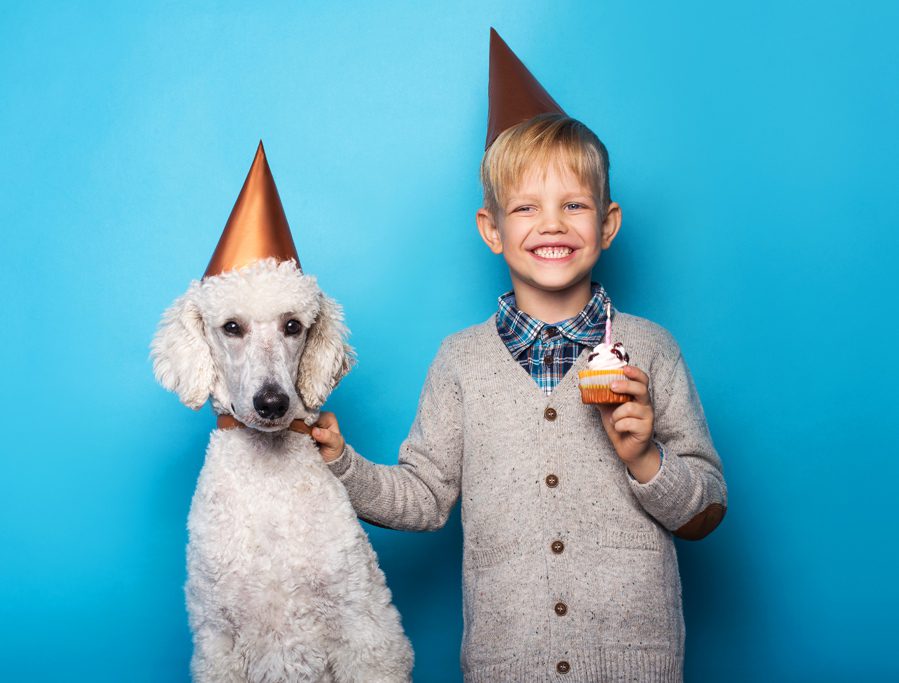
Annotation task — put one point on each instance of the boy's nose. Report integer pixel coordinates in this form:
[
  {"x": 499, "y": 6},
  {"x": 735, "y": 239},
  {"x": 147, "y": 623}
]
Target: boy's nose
[{"x": 552, "y": 223}]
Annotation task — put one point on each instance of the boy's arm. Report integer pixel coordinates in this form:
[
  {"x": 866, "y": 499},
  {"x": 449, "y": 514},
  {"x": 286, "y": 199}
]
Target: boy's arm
[
  {"x": 418, "y": 493},
  {"x": 688, "y": 494}
]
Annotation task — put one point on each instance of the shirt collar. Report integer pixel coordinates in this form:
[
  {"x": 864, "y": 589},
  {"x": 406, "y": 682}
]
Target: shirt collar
[{"x": 519, "y": 331}]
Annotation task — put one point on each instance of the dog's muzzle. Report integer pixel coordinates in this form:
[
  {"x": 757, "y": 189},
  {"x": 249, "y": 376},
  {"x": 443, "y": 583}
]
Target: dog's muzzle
[{"x": 270, "y": 402}]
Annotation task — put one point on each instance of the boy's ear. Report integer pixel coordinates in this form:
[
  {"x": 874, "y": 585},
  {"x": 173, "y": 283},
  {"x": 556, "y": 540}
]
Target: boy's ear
[
  {"x": 489, "y": 230},
  {"x": 611, "y": 225}
]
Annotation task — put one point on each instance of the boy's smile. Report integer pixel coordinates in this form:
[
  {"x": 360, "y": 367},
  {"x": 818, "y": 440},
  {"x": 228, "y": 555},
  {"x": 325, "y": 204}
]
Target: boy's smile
[
  {"x": 550, "y": 233},
  {"x": 553, "y": 252}
]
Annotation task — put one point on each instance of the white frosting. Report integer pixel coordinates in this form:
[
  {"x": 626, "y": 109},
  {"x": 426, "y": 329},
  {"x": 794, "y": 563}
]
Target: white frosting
[{"x": 604, "y": 357}]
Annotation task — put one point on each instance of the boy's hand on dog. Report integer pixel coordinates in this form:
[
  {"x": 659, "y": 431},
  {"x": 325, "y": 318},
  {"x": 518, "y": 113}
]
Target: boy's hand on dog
[
  {"x": 326, "y": 433},
  {"x": 630, "y": 425}
]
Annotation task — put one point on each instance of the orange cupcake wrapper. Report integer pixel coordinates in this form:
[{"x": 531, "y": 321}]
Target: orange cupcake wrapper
[
  {"x": 602, "y": 395},
  {"x": 594, "y": 386}
]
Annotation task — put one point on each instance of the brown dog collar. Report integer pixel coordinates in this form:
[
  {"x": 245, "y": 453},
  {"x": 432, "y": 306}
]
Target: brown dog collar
[{"x": 231, "y": 422}]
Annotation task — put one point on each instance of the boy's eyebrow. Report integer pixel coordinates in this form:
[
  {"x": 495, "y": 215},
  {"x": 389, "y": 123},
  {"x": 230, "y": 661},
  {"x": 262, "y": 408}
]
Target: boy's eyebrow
[
  {"x": 514, "y": 198},
  {"x": 522, "y": 197}
]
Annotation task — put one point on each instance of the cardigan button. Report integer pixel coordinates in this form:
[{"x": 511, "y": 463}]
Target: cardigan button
[
  {"x": 557, "y": 547},
  {"x": 561, "y": 609},
  {"x": 552, "y": 481},
  {"x": 550, "y": 414},
  {"x": 563, "y": 667}
]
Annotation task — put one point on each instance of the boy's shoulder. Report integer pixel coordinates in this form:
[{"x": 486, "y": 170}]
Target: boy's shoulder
[
  {"x": 469, "y": 339},
  {"x": 642, "y": 331},
  {"x": 651, "y": 346},
  {"x": 473, "y": 333},
  {"x": 458, "y": 350}
]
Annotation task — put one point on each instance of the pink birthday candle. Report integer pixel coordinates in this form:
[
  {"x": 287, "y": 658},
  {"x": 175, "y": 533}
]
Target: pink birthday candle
[{"x": 608, "y": 336}]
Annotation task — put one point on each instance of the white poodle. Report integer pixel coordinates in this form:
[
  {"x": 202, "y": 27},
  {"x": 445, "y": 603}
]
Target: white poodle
[{"x": 282, "y": 584}]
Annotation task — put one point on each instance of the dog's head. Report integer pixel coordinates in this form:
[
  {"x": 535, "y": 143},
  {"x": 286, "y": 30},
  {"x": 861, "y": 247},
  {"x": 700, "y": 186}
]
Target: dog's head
[{"x": 263, "y": 341}]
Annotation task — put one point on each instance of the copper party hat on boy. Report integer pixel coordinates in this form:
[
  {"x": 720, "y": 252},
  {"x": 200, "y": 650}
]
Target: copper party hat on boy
[
  {"x": 257, "y": 227},
  {"x": 514, "y": 94}
]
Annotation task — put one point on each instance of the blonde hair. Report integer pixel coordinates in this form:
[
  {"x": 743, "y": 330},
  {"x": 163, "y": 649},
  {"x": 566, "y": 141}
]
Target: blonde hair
[{"x": 538, "y": 142}]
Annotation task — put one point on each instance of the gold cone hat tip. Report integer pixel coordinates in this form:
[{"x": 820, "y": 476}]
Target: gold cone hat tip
[
  {"x": 513, "y": 94},
  {"x": 257, "y": 227}
]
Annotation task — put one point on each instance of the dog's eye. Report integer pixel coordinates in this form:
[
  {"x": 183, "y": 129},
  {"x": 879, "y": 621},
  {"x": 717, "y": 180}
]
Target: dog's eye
[
  {"x": 292, "y": 327},
  {"x": 232, "y": 329}
]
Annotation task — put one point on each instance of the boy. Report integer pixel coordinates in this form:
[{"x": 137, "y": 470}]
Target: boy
[{"x": 569, "y": 568}]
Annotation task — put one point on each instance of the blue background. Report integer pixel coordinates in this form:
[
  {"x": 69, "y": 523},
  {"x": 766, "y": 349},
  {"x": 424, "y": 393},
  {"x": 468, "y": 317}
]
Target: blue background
[{"x": 754, "y": 152}]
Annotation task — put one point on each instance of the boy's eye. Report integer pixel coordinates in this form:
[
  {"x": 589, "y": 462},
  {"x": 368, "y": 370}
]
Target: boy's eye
[
  {"x": 574, "y": 206},
  {"x": 523, "y": 209}
]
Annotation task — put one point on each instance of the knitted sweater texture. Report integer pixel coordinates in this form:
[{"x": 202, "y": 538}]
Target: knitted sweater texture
[{"x": 569, "y": 568}]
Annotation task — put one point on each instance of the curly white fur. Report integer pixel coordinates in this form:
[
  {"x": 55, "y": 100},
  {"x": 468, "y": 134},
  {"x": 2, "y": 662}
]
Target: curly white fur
[{"x": 283, "y": 584}]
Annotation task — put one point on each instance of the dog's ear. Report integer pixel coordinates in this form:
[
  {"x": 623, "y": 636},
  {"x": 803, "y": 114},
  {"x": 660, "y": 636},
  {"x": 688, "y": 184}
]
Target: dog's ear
[
  {"x": 326, "y": 357},
  {"x": 182, "y": 359}
]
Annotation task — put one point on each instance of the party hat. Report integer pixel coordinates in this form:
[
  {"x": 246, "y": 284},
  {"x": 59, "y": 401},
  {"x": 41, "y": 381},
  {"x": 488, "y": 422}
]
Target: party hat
[
  {"x": 257, "y": 227},
  {"x": 514, "y": 94}
]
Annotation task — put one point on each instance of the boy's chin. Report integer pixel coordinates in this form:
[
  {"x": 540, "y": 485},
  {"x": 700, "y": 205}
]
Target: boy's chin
[{"x": 554, "y": 285}]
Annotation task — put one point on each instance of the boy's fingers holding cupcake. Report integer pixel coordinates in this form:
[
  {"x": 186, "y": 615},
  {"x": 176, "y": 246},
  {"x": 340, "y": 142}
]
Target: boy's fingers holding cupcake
[
  {"x": 636, "y": 374},
  {"x": 632, "y": 387}
]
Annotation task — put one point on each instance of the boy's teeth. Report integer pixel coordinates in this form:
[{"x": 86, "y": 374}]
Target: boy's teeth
[{"x": 552, "y": 252}]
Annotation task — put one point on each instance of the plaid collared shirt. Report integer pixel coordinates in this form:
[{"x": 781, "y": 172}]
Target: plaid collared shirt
[{"x": 547, "y": 352}]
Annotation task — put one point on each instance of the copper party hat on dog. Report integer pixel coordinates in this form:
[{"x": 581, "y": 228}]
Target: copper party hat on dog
[
  {"x": 514, "y": 94},
  {"x": 257, "y": 227}
]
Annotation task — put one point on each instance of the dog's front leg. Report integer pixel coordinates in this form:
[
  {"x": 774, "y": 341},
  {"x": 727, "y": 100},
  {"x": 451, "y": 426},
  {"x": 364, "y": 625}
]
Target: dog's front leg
[
  {"x": 372, "y": 646},
  {"x": 215, "y": 659}
]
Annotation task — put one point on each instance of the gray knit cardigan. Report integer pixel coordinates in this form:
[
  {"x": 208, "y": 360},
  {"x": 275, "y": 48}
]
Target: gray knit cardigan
[{"x": 569, "y": 569}]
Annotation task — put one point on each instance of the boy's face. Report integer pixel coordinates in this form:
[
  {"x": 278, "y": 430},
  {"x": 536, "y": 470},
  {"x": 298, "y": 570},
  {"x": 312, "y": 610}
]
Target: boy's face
[{"x": 549, "y": 231}]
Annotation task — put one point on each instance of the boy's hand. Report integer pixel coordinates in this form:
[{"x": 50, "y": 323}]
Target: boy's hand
[
  {"x": 630, "y": 425},
  {"x": 326, "y": 433}
]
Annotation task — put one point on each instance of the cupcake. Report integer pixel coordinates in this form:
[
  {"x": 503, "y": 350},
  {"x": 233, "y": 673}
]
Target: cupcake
[{"x": 605, "y": 364}]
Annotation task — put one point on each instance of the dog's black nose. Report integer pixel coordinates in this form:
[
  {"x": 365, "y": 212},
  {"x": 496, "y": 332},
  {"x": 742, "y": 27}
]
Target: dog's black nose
[{"x": 270, "y": 402}]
